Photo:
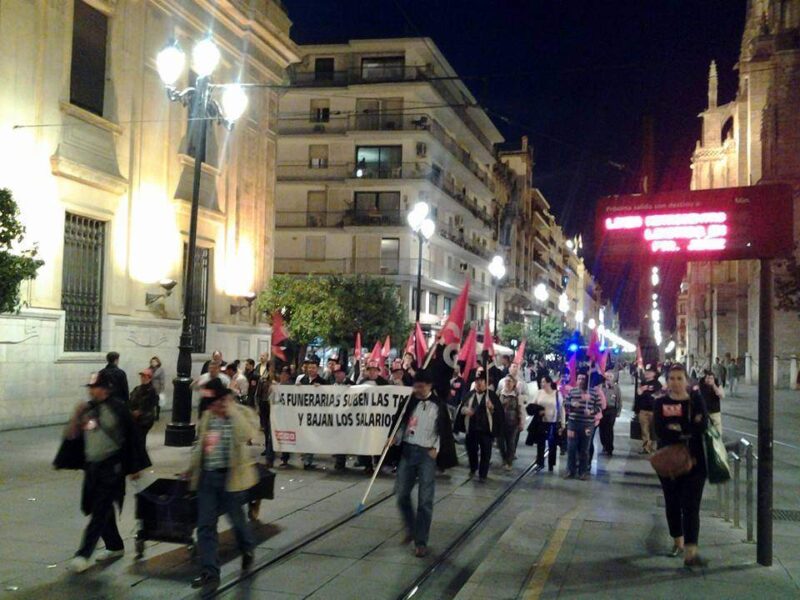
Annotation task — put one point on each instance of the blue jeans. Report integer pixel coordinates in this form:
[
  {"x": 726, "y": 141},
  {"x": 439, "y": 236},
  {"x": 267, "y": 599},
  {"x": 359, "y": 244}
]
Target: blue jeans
[
  {"x": 579, "y": 437},
  {"x": 212, "y": 500},
  {"x": 416, "y": 465}
]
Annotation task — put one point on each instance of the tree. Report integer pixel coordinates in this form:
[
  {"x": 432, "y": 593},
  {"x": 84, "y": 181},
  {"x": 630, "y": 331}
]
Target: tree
[
  {"x": 552, "y": 339},
  {"x": 370, "y": 305},
  {"x": 334, "y": 307},
  {"x": 16, "y": 264}
]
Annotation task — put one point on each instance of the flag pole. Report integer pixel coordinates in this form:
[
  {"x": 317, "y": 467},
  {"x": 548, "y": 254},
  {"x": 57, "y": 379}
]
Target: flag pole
[{"x": 362, "y": 505}]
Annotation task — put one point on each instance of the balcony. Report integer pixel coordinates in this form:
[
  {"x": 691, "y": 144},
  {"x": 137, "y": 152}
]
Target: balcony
[
  {"x": 401, "y": 268},
  {"x": 368, "y": 171},
  {"x": 457, "y": 237},
  {"x": 388, "y": 121}
]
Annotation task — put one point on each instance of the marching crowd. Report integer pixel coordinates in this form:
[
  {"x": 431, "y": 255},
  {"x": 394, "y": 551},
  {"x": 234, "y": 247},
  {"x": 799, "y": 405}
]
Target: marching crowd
[{"x": 107, "y": 436}]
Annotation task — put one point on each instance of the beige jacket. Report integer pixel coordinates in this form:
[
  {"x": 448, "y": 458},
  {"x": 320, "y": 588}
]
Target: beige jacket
[{"x": 242, "y": 474}]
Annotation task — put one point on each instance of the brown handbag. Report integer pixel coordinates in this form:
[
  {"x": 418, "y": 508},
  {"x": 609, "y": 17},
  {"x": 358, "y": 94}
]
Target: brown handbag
[{"x": 672, "y": 461}]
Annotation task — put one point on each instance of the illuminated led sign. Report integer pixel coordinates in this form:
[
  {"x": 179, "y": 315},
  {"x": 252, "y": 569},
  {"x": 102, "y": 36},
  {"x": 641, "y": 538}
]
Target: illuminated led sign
[{"x": 721, "y": 224}]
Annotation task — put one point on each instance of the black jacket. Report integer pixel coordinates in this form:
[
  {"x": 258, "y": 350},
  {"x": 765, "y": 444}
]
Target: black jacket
[
  {"x": 447, "y": 457},
  {"x": 496, "y": 418},
  {"x": 144, "y": 399},
  {"x": 119, "y": 381}
]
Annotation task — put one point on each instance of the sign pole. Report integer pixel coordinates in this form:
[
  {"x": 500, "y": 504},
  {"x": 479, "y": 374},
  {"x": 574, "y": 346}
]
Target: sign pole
[{"x": 766, "y": 350}]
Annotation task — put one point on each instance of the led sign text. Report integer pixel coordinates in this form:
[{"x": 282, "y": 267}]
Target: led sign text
[{"x": 694, "y": 232}]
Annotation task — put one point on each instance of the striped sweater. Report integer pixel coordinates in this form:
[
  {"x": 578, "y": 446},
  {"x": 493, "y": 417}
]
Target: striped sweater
[{"x": 583, "y": 406}]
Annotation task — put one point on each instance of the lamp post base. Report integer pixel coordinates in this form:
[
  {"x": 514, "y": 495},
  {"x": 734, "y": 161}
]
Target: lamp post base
[{"x": 179, "y": 435}]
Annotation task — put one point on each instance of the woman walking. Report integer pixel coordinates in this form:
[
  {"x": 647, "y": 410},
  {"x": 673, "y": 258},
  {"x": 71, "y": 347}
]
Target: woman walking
[
  {"x": 549, "y": 426},
  {"x": 712, "y": 394},
  {"x": 513, "y": 422},
  {"x": 680, "y": 418},
  {"x": 158, "y": 382}
]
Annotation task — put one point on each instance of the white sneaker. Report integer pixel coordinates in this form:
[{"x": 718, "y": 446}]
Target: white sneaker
[
  {"x": 78, "y": 564},
  {"x": 105, "y": 555}
]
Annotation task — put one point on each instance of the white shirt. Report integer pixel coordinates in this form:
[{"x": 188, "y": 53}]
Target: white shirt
[
  {"x": 521, "y": 388},
  {"x": 551, "y": 403}
]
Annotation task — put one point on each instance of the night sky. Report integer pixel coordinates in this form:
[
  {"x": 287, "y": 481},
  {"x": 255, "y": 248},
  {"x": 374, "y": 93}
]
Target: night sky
[{"x": 576, "y": 77}]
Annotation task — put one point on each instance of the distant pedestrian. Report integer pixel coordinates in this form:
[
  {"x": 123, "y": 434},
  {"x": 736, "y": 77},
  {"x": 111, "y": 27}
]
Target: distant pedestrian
[
  {"x": 611, "y": 413},
  {"x": 476, "y": 419},
  {"x": 239, "y": 384},
  {"x": 712, "y": 395},
  {"x": 113, "y": 448},
  {"x": 216, "y": 356},
  {"x": 214, "y": 372},
  {"x": 584, "y": 403},
  {"x": 340, "y": 379},
  {"x": 159, "y": 381},
  {"x": 117, "y": 377},
  {"x": 646, "y": 395},
  {"x": 426, "y": 443},
  {"x": 732, "y": 375},
  {"x": 513, "y": 421},
  {"x": 681, "y": 419},
  {"x": 312, "y": 377},
  {"x": 143, "y": 403},
  {"x": 221, "y": 471},
  {"x": 719, "y": 371}
]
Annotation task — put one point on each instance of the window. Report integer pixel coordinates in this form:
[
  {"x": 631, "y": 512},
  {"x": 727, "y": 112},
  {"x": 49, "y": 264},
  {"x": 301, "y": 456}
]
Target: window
[
  {"x": 390, "y": 256},
  {"x": 433, "y": 303},
  {"x": 87, "y": 78},
  {"x": 483, "y": 313},
  {"x": 323, "y": 69},
  {"x": 318, "y": 156},
  {"x": 316, "y": 210},
  {"x": 379, "y": 161},
  {"x": 413, "y": 298},
  {"x": 315, "y": 247},
  {"x": 382, "y": 67},
  {"x": 379, "y": 113},
  {"x": 320, "y": 111},
  {"x": 82, "y": 283},
  {"x": 381, "y": 206},
  {"x": 447, "y": 305},
  {"x": 473, "y": 312},
  {"x": 198, "y": 318}
]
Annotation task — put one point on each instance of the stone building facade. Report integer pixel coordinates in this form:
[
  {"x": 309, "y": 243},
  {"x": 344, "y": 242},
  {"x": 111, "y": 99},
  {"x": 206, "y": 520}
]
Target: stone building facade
[
  {"x": 753, "y": 139},
  {"x": 102, "y": 171}
]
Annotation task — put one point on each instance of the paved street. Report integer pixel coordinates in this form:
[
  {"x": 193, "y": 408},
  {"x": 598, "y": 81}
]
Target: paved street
[{"x": 560, "y": 538}]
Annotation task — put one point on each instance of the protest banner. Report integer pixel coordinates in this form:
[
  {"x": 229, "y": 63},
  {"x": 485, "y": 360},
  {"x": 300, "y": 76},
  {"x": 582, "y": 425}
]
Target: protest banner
[{"x": 334, "y": 419}]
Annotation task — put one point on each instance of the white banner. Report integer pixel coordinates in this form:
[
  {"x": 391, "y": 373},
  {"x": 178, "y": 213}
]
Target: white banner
[{"x": 333, "y": 419}]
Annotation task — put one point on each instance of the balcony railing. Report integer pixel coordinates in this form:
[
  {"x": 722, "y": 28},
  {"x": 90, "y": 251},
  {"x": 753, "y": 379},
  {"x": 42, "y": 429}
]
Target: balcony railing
[
  {"x": 387, "y": 121},
  {"x": 405, "y": 268},
  {"x": 367, "y": 171}
]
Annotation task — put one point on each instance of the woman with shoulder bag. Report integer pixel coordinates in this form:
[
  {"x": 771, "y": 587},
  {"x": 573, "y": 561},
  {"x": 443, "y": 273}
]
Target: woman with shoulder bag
[
  {"x": 551, "y": 422},
  {"x": 680, "y": 420}
]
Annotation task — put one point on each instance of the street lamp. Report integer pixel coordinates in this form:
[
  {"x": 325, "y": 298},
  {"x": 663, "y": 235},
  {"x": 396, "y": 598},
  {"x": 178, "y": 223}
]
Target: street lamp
[
  {"x": 578, "y": 318},
  {"x": 497, "y": 269},
  {"x": 424, "y": 228},
  {"x": 203, "y": 108},
  {"x": 540, "y": 293}
]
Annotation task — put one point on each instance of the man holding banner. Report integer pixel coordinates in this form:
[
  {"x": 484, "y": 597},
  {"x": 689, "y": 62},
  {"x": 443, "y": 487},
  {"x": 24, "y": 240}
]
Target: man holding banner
[{"x": 426, "y": 442}]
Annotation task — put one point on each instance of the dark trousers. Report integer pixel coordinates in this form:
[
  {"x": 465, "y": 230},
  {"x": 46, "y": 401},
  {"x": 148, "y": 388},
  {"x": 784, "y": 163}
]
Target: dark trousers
[
  {"x": 682, "y": 504},
  {"x": 479, "y": 442},
  {"x": 607, "y": 430},
  {"x": 579, "y": 438},
  {"x": 550, "y": 438},
  {"x": 102, "y": 484},
  {"x": 416, "y": 466},
  {"x": 508, "y": 442},
  {"x": 263, "y": 417},
  {"x": 213, "y": 500}
]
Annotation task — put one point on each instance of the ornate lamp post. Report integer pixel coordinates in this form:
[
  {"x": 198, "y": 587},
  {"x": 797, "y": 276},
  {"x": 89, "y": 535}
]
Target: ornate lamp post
[
  {"x": 497, "y": 269},
  {"x": 203, "y": 108},
  {"x": 423, "y": 227},
  {"x": 540, "y": 293}
]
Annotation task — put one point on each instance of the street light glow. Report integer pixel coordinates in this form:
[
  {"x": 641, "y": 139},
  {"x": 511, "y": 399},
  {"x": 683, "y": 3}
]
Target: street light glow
[
  {"x": 427, "y": 228},
  {"x": 170, "y": 62},
  {"x": 234, "y": 102},
  {"x": 670, "y": 347},
  {"x": 654, "y": 278},
  {"x": 563, "y": 302},
  {"x": 417, "y": 215},
  {"x": 591, "y": 324},
  {"x": 497, "y": 267},
  {"x": 540, "y": 292},
  {"x": 579, "y": 316},
  {"x": 205, "y": 57}
]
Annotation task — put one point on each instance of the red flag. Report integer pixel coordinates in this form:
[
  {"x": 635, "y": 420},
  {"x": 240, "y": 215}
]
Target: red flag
[
  {"x": 387, "y": 348},
  {"x": 488, "y": 343},
  {"x": 451, "y": 332},
  {"x": 592, "y": 350},
  {"x": 375, "y": 355},
  {"x": 601, "y": 364},
  {"x": 639, "y": 359},
  {"x": 357, "y": 353},
  {"x": 279, "y": 334},
  {"x": 520, "y": 355},
  {"x": 409, "y": 347},
  {"x": 573, "y": 369},
  {"x": 421, "y": 345},
  {"x": 469, "y": 354}
]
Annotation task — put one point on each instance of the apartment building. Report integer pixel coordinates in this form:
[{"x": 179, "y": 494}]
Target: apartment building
[{"x": 367, "y": 130}]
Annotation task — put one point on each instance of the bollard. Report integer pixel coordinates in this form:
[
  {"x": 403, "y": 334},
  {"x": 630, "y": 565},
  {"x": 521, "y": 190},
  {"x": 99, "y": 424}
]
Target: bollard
[
  {"x": 727, "y": 495},
  {"x": 720, "y": 508},
  {"x": 736, "y": 462},
  {"x": 749, "y": 507}
]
